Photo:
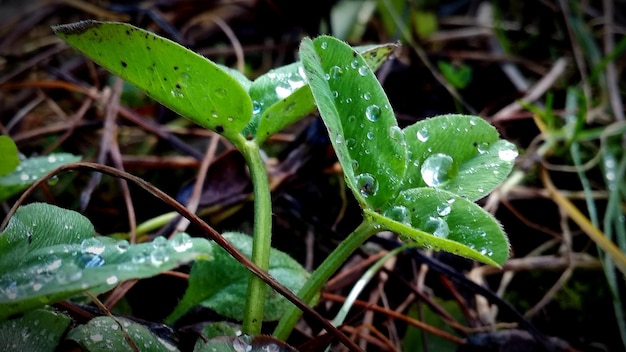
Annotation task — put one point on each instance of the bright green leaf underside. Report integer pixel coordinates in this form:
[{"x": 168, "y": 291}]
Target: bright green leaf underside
[
  {"x": 48, "y": 254},
  {"x": 30, "y": 170}
]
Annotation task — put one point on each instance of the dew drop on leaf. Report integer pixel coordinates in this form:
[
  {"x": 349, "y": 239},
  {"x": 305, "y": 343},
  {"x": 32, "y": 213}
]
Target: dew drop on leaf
[
  {"x": 181, "y": 242},
  {"x": 367, "y": 96},
  {"x": 483, "y": 147},
  {"x": 437, "y": 226},
  {"x": 283, "y": 90},
  {"x": 400, "y": 214},
  {"x": 122, "y": 246},
  {"x": 324, "y": 45},
  {"x": 422, "y": 134},
  {"x": 372, "y": 113},
  {"x": 363, "y": 70},
  {"x": 89, "y": 260},
  {"x": 159, "y": 256},
  {"x": 336, "y": 72},
  {"x": 444, "y": 209},
  {"x": 507, "y": 152},
  {"x": 91, "y": 246},
  {"x": 437, "y": 169},
  {"x": 256, "y": 107},
  {"x": 367, "y": 184},
  {"x": 397, "y": 135}
]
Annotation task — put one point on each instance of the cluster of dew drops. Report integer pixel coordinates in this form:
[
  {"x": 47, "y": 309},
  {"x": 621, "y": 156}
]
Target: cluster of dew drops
[{"x": 53, "y": 270}]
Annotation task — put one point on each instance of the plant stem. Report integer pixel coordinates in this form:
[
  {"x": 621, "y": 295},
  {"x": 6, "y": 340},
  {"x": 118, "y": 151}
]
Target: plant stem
[
  {"x": 309, "y": 292},
  {"x": 262, "y": 238}
]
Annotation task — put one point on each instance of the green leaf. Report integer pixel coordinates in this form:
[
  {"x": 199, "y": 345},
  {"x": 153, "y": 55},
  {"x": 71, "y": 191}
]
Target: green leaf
[
  {"x": 48, "y": 254},
  {"x": 282, "y": 90},
  {"x": 38, "y": 330},
  {"x": 9, "y": 156},
  {"x": 221, "y": 284},
  {"x": 30, "y": 170},
  {"x": 178, "y": 78},
  {"x": 282, "y": 96},
  {"x": 104, "y": 334},
  {"x": 459, "y": 153},
  {"x": 444, "y": 220},
  {"x": 370, "y": 146}
]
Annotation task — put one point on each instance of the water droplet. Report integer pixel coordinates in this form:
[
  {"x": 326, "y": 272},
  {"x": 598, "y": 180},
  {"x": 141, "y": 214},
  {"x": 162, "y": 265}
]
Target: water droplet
[
  {"x": 159, "y": 256},
  {"x": 185, "y": 76},
  {"x": 177, "y": 93},
  {"x": 221, "y": 92},
  {"x": 159, "y": 242},
  {"x": 399, "y": 213},
  {"x": 181, "y": 242},
  {"x": 367, "y": 184},
  {"x": 336, "y": 72},
  {"x": 24, "y": 177},
  {"x": 122, "y": 246},
  {"x": 372, "y": 113},
  {"x": 508, "y": 152},
  {"x": 370, "y": 135},
  {"x": 444, "y": 209},
  {"x": 483, "y": 147},
  {"x": 397, "y": 135},
  {"x": 437, "y": 226},
  {"x": 140, "y": 258},
  {"x": 97, "y": 337},
  {"x": 350, "y": 143},
  {"x": 324, "y": 45},
  {"x": 437, "y": 169},
  {"x": 422, "y": 134},
  {"x": 10, "y": 289},
  {"x": 256, "y": 107},
  {"x": 367, "y": 96},
  {"x": 283, "y": 89},
  {"x": 335, "y": 94},
  {"x": 472, "y": 121},
  {"x": 89, "y": 260},
  {"x": 355, "y": 165},
  {"x": 363, "y": 70},
  {"x": 92, "y": 246},
  {"x": 214, "y": 114},
  {"x": 112, "y": 280}
]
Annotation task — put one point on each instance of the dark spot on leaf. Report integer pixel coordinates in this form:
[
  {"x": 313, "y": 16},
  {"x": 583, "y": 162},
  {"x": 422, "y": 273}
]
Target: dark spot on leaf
[
  {"x": 124, "y": 64},
  {"x": 76, "y": 28},
  {"x": 165, "y": 78},
  {"x": 475, "y": 144},
  {"x": 127, "y": 32},
  {"x": 175, "y": 68},
  {"x": 354, "y": 54},
  {"x": 177, "y": 86},
  {"x": 148, "y": 47},
  {"x": 146, "y": 35},
  {"x": 219, "y": 129}
]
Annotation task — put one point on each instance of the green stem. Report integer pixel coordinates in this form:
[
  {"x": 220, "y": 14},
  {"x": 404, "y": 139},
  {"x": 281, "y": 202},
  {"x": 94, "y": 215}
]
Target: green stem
[
  {"x": 309, "y": 292},
  {"x": 262, "y": 238}
]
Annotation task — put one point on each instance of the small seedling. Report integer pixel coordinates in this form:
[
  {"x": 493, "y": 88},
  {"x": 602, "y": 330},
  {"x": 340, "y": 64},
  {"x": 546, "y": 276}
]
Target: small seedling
[{"x": 420, "y": 181}]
